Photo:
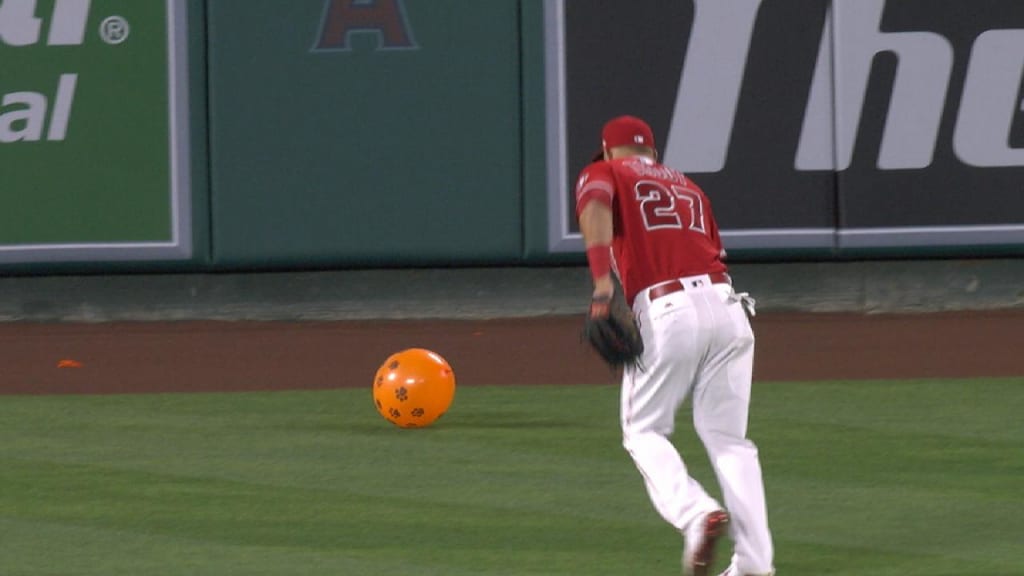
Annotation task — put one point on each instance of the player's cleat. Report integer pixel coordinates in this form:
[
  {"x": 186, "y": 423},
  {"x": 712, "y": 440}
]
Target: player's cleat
[{"x": 699, "y": 542}]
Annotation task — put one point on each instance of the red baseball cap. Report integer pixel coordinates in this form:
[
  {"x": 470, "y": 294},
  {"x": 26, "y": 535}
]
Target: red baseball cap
[{"x": 626, "y": 131}]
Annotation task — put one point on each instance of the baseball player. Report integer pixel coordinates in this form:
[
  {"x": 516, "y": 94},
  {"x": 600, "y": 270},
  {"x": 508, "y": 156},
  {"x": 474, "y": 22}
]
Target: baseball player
[{"x": 653, "y": 227}]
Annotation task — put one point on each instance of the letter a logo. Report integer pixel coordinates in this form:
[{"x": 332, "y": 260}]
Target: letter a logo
[{"x": 385, "y": 18}]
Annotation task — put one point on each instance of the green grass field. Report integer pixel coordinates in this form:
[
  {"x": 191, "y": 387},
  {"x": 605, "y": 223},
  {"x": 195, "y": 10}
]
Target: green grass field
[{"x": 881, "y": 478}]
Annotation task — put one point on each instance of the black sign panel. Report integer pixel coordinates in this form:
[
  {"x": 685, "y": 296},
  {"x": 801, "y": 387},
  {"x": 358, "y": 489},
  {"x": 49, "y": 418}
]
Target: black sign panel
[{"x": 816, "y": 123}]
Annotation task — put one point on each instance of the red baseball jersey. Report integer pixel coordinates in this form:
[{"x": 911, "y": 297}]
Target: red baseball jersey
[{"x": 664, "y": 227}]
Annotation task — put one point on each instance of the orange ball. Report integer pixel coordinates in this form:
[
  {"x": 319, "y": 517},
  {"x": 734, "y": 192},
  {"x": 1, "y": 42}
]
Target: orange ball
[{"x": 413, "y": 388}]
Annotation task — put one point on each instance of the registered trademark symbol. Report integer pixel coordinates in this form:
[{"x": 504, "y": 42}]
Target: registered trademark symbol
[{"x": 114, "y": 29}]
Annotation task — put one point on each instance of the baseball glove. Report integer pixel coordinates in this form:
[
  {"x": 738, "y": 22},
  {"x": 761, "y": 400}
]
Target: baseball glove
[{"x": 612, "y": 331}]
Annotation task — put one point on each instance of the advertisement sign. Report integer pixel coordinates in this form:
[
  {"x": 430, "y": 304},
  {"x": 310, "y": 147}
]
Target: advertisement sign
[
  {"x": 94, "y": 134},
  {"x": 811, "y": 124}
]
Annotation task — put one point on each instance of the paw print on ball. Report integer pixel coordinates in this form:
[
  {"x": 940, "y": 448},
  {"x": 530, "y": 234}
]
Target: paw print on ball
[
  {"x": 402, "y": 394},
  {"x": 394, "y": 413},
  {"x": 418, "y": 412}
]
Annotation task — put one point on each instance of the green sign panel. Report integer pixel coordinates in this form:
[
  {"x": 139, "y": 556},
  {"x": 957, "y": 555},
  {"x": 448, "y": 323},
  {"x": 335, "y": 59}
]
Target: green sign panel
[{"x": 93, "y": 130}]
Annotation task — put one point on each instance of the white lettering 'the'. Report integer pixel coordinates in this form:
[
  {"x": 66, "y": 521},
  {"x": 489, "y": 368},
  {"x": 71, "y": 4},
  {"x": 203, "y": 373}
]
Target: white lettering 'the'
[
  {"x": 716, "y": 61},
  {"x": 918, "y": 93},
  {"x": 990, "y": 101},
  {"x": 709, "y": 88}
]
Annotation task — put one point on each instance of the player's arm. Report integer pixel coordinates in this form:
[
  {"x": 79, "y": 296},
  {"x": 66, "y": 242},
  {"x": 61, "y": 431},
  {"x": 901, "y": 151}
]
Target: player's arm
[
  {"x": 713, "y": 231},
  {"x": 593, "y": 197},
  {"x": 596, "y": 226}
]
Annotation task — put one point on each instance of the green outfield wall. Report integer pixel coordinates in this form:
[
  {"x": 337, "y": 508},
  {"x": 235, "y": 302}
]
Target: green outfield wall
[
  {"x": 349, "y": 135},
  {"x": 202, "y": 135}
]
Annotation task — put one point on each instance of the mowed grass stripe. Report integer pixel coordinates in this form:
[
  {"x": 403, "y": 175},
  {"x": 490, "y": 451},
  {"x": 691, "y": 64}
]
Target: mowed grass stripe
[
  {"x": 916, "y": 477},
  {"x": 290, "y": 479}
]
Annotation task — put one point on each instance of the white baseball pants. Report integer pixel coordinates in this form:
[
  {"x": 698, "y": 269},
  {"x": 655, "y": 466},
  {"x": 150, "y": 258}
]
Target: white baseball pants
[{"x": 699, "y": 344}]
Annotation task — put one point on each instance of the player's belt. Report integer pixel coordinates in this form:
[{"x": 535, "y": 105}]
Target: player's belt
[{"x": 688, "y": 283}]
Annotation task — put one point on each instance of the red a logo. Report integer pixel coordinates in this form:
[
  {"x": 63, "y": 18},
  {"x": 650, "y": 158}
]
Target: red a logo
[{"x": 385, "y": 18}]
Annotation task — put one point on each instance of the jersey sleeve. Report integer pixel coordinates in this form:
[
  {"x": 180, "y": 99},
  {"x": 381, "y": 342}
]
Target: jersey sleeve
[{"x": 596, "y": 182}]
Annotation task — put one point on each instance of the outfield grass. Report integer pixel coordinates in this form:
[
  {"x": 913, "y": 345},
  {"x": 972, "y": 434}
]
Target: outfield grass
[{"x": 881, "y": 478}]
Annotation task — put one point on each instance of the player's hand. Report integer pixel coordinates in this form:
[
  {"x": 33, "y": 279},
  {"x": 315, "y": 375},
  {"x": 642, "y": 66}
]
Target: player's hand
[
  {"x": 603, "y": 288},
  {"x": 611, "y": 327}
]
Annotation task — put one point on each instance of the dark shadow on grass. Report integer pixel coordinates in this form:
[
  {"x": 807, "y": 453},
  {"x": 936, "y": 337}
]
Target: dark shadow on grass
[
  {"x": 474, "y": 421},
  {"x": 505, "y": 420}
]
